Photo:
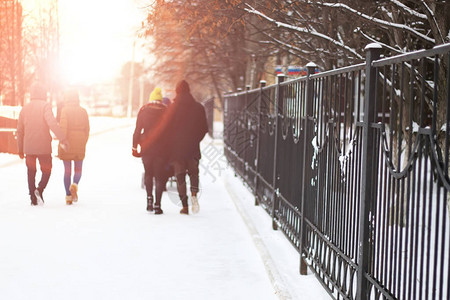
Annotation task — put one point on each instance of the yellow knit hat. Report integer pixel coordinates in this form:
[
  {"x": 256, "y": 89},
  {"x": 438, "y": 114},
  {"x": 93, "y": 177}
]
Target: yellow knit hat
[{"x": 156, "y": 95}]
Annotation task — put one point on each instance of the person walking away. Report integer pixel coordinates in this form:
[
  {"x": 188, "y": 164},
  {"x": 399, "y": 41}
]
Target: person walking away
[
  {"x": 188, "y": 126},
  {"x": 154, "y": 155},
  {"x": 74, "y": 123},
  {"x": 34, "y": 141}
]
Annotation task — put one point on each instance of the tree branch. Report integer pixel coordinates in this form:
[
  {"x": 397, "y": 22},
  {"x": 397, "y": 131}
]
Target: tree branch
[
  {"x": 304, "y": 30},
  {"x": 381, "y": 22}
]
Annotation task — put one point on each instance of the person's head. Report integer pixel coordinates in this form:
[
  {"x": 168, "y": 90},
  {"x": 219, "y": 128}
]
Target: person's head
[
  {"x": 71, "y": 96},
  {"x": 182, "y": 87},
  {"x": 156, "y": 95},
  {"x": 38, "y": 92}
]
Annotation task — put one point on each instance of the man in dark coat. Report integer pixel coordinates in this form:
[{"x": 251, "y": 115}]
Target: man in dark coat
[
  {"x": 188, "y": 126},
  {"x": 35, "y": 142},
  {"x": 154, "y": 154}
]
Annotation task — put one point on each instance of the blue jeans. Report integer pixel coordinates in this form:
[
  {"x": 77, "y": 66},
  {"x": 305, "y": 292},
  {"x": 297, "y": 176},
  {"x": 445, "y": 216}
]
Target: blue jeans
[{"x": 78, "y": 167}]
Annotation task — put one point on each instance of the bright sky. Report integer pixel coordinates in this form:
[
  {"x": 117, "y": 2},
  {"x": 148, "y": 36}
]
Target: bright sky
[{"x": 96, "y": 37}]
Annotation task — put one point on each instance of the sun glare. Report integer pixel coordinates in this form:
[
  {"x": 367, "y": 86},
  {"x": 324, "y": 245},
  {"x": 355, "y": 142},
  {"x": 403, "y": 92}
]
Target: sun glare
[{"x": 96, "y": 37}]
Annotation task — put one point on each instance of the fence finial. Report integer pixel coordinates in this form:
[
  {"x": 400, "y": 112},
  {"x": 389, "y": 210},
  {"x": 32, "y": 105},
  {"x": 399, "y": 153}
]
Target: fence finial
[{"x": 373, "y": 46}]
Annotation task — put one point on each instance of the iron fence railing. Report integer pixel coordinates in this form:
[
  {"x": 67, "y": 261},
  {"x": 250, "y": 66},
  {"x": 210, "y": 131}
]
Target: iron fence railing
[{"x": 352, "y": 164}]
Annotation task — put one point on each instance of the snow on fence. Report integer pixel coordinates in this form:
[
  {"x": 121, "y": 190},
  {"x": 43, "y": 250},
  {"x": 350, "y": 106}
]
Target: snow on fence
[{"x": 353, "y": 166}]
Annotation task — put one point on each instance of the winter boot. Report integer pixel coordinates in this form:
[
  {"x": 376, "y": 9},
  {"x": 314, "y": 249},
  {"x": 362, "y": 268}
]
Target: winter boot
[
  {"x": 195, "y": 205},
  {"x": 69, "y": 200},
  {"x": 74, "y": 192},
  {"x": 38, "y": 193},
  {"x": 184, "y": 202},
  {"x": 158, "y": 210},
  {"x": 149, "y": 204}
]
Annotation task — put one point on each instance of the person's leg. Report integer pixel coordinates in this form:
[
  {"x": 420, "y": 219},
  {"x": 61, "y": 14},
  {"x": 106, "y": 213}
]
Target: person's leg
[
  {"x": 68, "y": 180},
  {"x": 193, "y": 176},
  {"x": 78, "y": 170},
  {"x": 67, "y": 175},
  {"x": 30, "y": 162},
  {"x": 148, "y": 180},
  {"x": 78, "y": 167},
  {"x": 45, "y": 162},
  {"x": 192, "y": 168},
  {"x": 160, "y": 181},
  {"x": 180, "y": 174}
]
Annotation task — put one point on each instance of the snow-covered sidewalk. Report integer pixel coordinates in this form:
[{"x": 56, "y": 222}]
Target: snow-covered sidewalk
[{"x": 107, "y": 246}]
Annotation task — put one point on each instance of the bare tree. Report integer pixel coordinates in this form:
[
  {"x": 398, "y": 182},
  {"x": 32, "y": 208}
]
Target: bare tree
[
  {"x": 231, "y": 41},
  {"x": 11, "y": 51},
  {"x": 207, "y": 42}
]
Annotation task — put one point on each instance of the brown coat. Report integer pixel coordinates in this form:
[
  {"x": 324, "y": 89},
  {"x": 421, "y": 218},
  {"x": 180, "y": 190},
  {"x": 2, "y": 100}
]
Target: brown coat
[
  {"x": 75, "y": 124},
  {"x": 33, "y": 135}
]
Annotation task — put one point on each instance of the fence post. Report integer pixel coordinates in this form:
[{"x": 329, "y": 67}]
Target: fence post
[
  {"x": 278, "y": 111},
  {"x": 367, "y": 169},
  {"x": 246, "y": 133},
  {"x": 307, "y": 137},
  {"x": 225, "y": 119},
  {"x": 262, "y": 84}
]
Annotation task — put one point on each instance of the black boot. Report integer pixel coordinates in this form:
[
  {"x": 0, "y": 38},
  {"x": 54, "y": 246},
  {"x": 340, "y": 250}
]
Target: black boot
[
  {"x": 184, "y": 202},
  {"x": 158, "y": 210},
  {"x": 149, "y": 204}
]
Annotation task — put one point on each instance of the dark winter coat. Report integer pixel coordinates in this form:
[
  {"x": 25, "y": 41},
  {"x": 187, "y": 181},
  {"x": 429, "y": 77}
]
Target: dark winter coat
[
  {"x": 187, "y": 127},
  {"x": 75, "y": 124},
  {"x": 148, "y": 119},
  {"x": 35, "y": 120}
]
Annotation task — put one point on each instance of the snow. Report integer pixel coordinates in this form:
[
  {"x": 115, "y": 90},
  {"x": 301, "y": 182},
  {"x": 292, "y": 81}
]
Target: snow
[
  {"x": 11, "y": 112},
  {"x": 107, "y": 246}
]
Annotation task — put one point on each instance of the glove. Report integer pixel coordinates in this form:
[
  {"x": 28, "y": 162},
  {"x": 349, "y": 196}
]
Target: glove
[
  {"x": 65, "y": 145},
  {"x": 136, "y": 153},
  {"x": 21, "y": 155}
]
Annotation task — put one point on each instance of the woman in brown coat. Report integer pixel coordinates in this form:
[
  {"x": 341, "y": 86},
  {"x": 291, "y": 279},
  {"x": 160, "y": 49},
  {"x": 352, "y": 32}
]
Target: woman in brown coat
[{"x": 75, "y": 124}]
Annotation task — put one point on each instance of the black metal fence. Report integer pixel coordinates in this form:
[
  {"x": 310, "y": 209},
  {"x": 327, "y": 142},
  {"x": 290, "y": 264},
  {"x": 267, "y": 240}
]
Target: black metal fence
[{"x": 353, "y": 166}]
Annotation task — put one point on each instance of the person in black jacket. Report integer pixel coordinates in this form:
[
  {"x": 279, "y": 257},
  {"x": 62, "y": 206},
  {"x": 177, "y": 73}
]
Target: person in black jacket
[
  {"x": 188, "y": 126},
  {"x": 154, "y": 154}
]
